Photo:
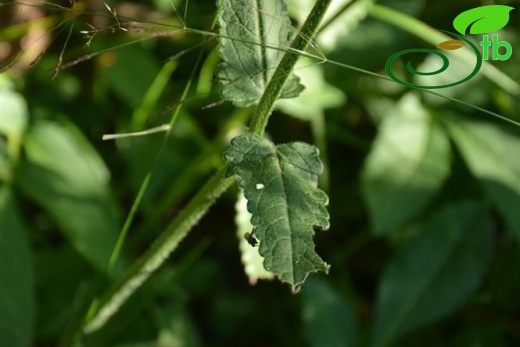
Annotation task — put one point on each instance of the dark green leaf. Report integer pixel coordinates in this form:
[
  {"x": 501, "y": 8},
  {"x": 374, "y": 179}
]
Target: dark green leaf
[
  {"x": 483, "y": 19},
  {"x": 435, "y": 272},
  {"x": 280, "y": 184},
  {"x": 489, "y": 151},
  {"x": 254, "y": 35},
  {"x": 66, "y": 176},
  {"x": 120, "y": 73},
  {"x": 16, "y": 277},
  {"x": 409, "y": 162},
  {"x": 329, "y": 320}
]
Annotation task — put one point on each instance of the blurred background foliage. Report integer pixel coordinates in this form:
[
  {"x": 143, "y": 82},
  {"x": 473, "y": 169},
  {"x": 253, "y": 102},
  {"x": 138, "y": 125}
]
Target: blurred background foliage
[{"x": 424, "y": 193}]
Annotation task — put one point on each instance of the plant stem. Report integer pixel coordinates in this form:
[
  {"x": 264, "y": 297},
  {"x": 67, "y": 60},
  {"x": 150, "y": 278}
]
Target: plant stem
[
  {"x": 285, "y": 67},
  {"x": 218, "y": 184},
  {"x": 160, "y": 250}
]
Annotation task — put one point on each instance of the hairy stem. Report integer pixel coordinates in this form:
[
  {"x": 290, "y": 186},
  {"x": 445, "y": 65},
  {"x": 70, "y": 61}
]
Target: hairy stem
[
  {"x": 283, "y": 71},
  {"x": 218, "y": 184},
  {"x": 160, "y": 250}
]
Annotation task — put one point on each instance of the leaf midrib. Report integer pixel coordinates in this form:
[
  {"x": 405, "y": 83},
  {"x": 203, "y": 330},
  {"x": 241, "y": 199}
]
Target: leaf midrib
[
  {"x": 286, "y": 210},
  {"x": 262, "y": 46}
]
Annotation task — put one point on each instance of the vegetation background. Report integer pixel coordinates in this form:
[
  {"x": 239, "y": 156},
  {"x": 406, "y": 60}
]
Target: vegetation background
[{"x": 424, "y": 192}]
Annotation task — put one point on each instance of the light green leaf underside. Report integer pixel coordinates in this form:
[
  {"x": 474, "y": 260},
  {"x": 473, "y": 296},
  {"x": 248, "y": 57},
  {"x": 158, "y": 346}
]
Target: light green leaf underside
[
  {"x": 252, "y": 260},
  {"x": 483, "y": 19},
  {"x": 491, "y": 153},
  {"x": 16, "y": 277},
  {"x": 435, "y": 272},
  {"x": 408, "y": 163},
  {"x": 253, "y": 37},
  {"x": 280, "y": 184}
]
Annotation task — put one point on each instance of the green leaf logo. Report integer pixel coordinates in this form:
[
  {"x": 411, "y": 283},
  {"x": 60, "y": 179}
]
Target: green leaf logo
[{"x": 482, "y": 19}]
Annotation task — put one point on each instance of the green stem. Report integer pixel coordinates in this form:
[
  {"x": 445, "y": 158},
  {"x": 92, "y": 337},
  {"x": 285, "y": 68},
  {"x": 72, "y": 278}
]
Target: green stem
[
  {"x": 285, "y": 67},
  {"x": 160, "y": 250},
  {"x": 218, "y": 184}
]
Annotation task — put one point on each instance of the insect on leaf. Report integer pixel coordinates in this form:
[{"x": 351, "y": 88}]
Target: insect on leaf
[
  {"x": 483, "y": 19},
  {"x": 253, "y": 38},
  {"x": 280, "y": 184},
  {"x": 251, "y": 259}
]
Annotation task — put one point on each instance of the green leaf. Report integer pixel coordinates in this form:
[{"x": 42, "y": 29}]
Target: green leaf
[
  {"x": 119, "y": 73},
  {"x": 483, "y": 19},
  {"x": 176, "y": 327},
  {"x": 337, "y": 30},
  {"x": 435, "y": 272},
  {"x": 317, "y": 96},
  {"x": 409, "y": 162},
  {"x": 253, "y": 37},
  {"x": 489, "y": 151},
  {"x": 280, "y": 184},
  {"x": 251, "y": 258},
  {"x": 328, "y": 320},
  {"x": 16, "y": 277},
  {"x": 13, "y": 110},
  {"x": 67, "y": 177}
]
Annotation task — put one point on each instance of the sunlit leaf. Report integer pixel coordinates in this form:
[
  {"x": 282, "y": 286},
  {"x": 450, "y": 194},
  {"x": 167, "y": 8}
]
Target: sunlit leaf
[
  {"x": 13, "y": 110},
  {"x": 435, "y": 272},
  {"x": 65, "y": 175},
  {"x": 483, "y": 19},
  {"x": 488, "y": 150},
  {"x": 337, "y": 30},
  {"x": 16, "y": 277},
  {"x": 307, "y": 105},
  {"x": 280, "y": 184},
  {"x": 254, "y": 35},
  {"x": 408, "y": 163}
]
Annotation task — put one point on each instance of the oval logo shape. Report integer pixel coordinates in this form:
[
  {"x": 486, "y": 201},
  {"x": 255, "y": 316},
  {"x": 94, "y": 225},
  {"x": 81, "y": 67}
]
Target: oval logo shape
[{"x": 451, "y": 45}]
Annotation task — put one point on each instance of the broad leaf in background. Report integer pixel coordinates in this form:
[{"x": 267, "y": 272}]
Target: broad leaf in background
[
  {"x": 337, "y": 30},
  {"x": 490, "y": 151},
  {"x": 16, "y": 277},
  {"x": 408, "y": 163},
  {"x": 328, "y": 320},
  {"x": 13, "y": 121},
  {"x": 249, "y": 31},
  {"x": 176, "y": 327},
  {"x": 435, "y": 272},
  {"x": 66, "y": 176},
  {"x": 252, "y": 260},
  {"x": 13, "y": 110},
  {"x": 317, "y": 96},
  {"x": 280, "y": 184}
]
